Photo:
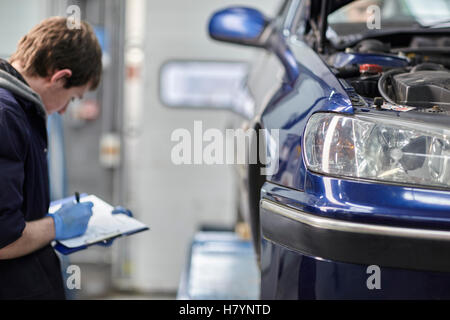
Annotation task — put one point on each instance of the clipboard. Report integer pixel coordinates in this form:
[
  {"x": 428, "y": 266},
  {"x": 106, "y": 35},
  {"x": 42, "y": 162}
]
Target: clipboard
[{"x": 102, "y": 226}]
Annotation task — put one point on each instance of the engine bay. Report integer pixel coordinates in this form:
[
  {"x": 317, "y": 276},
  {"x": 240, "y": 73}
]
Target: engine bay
[{"x": 416, "y": 77}]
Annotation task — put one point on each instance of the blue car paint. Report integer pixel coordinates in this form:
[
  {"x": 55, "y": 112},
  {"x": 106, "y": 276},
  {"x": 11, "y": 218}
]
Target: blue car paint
[
  {"x": 365, "y": 202},
  {"x": 342, "y": 59},
  {"x": 245, "y": 26},
  {"x": 237, "y": 23},
  {"x": 316, "y": 89},
  {"x": 288, "y": 274},
  {"x": 290, "y": 64}
]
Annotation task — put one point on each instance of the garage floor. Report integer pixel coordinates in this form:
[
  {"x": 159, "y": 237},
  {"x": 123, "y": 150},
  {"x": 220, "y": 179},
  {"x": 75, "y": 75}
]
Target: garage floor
[{"x": 220, "y": 266}]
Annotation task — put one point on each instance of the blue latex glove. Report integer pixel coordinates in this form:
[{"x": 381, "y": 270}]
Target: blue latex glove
[
  {"x": 71, "y": 220},
  {"x": 117, "y": 210}
]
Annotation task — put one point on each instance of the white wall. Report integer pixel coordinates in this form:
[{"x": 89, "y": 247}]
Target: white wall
[
  {"x": 16, "y": 19},
  {"x": 175, "y": 200}
]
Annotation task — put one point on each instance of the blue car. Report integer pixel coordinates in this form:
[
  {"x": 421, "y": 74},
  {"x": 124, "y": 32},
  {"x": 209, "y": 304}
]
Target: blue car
[{"x": 354, "y": 97}]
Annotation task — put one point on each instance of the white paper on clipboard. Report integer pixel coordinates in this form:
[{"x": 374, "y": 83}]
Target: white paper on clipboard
[{"x": 103, "y": 225}]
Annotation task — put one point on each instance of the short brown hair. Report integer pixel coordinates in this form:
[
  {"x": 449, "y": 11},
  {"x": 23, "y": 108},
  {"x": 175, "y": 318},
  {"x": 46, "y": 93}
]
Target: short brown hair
[{"x": 52, "y": 45}]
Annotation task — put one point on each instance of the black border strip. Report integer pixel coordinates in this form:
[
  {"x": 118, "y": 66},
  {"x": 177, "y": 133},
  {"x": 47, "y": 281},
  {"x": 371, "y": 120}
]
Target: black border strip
[{"x": 338, "y": 240}]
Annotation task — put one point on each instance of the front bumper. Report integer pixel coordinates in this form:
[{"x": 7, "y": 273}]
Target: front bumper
[
  {"x": 406, "y": 248},
  {"x": 360, "y": 223}
]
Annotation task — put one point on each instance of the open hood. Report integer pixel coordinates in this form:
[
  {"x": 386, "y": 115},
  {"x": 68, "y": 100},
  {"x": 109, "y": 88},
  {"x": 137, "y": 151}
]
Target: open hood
[
  {"x": 333, "y": 5},
  {"x": 318, "y": 13}
]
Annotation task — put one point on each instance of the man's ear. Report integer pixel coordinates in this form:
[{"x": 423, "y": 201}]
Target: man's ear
[{"x": 60, "y": 76}]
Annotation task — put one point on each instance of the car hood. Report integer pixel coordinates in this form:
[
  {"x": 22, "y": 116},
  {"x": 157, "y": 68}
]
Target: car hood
[
  {"x": 318, "y": 12},
  {"x": 333, "y": 5}
]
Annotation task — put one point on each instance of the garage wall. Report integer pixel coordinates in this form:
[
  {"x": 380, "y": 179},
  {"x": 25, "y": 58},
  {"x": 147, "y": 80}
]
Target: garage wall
[
  {"x": 16, "y": 19},
  {"x": 175, "y": 200}
]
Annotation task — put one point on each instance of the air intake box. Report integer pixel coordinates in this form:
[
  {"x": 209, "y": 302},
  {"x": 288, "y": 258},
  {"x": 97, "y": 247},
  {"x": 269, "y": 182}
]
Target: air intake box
[{"x": 423, "y": 89}]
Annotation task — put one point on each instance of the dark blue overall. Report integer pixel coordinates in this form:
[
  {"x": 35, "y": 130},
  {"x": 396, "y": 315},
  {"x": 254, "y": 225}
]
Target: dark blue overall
[{"x": 24, "y": 196}]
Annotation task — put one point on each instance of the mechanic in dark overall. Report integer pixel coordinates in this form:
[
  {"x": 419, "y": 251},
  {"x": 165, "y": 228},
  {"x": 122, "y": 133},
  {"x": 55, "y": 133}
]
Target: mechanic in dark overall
[{"x": 53, "y": 64}]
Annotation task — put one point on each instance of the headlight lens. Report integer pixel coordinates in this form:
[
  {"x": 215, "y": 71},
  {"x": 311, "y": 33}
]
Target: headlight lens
[{"x": 378, "y": 147}]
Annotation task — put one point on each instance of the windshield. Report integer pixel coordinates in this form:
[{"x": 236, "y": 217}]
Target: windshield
[{"x": 362, "y": 16}]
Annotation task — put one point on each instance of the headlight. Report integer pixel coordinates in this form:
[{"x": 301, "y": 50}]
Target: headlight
[{"x": 378, "y": 147}]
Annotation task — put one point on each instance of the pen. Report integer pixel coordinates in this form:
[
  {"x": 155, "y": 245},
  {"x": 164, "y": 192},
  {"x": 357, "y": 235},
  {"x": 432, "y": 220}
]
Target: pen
[{"x": 77, "y": 197}]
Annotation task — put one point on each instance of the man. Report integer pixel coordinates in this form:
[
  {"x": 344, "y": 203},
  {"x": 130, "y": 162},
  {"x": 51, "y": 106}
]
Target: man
[{"x": 52, "y": 65}]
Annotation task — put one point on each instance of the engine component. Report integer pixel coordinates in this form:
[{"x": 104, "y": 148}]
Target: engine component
[
  {"x": 384, "y": 84},
  {"x": 372, "y": 46},
  {"x": 368, "y": 68},
  {"x": 366, "y": 86},
  {"x": 423, "y": 89},
  {"x": 341, "y": 59}
]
